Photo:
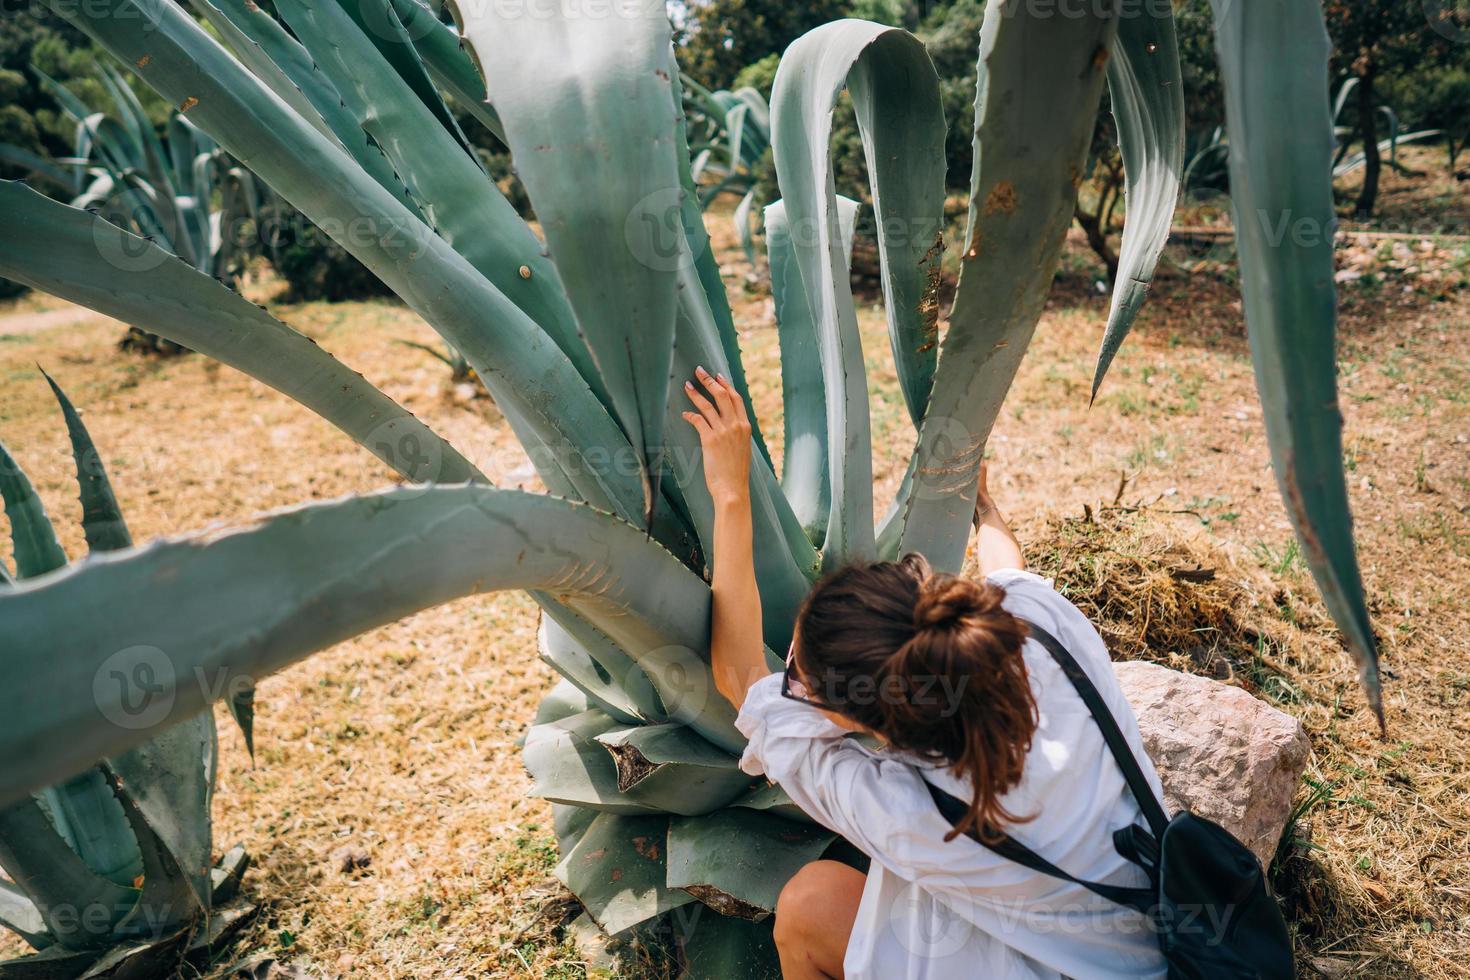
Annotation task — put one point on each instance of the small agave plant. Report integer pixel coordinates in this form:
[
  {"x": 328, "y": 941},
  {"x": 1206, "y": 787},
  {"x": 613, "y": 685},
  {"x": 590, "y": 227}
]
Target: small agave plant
[
  {"x": 729, "y": 132},
  {"x": 108, "y": 872},
  {"x": 340, "y": 108}
]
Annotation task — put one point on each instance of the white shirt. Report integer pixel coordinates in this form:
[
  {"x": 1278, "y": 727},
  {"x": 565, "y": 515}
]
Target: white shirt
[{"x": 933, "y": 910}]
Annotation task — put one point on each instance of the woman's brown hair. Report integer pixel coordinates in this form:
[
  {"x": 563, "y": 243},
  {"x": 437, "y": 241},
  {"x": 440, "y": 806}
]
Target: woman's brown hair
[{"x": 930, "y": 662}]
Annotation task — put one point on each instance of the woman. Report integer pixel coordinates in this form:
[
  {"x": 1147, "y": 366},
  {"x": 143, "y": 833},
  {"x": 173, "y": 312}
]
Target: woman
[{"x": 938, "y": 670}]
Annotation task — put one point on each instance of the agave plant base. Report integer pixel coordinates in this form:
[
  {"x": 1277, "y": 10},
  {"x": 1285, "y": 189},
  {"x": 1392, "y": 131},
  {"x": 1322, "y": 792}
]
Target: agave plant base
[{"x": 146, "y": 960}]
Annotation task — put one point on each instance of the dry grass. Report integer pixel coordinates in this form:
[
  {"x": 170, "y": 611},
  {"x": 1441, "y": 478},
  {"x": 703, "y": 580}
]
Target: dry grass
[{"x": 401, "y": 743}]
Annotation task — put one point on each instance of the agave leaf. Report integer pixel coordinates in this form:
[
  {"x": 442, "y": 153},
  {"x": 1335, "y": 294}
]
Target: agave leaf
[
  {"x": 804, "y": 475},
  {"x": 672, "y": 768},
  {"x": 585, "y": 656},
  {"x": 455, "y": 196},
  {"x": 58, "y": 882},
  {"x": 242, "y": 604},
  {"x": 895, "y": 94},
  {"x": 167, "y": 783},
  {"x": 717, "y": 947},
  {"x": 88, "y": 817},
  {"x": 771, "y": 798},
  {"x": 20, "y": 915},
  {"x": 562, "y": 701},
  {"x": 242, "y": 708},
  {"x": 1148, "y": 107},
  {"x": 737, "y": 861},
  {"x": 169, "y": 895},
  {"x": 1273, "y": 63},
  {"x": 280, "y": 62},
  {"x": 569, "y": 766},
  {"x": 570, "y": 823},
  {"x": 586, "y": 102},
  {"x": 529, "y": 377},
  {"x": 616, "y": 870},
  {"x": 102, "y": 519},
  {"x": 1039, "y": 84},
  {"x": 380, "y": 25},
  {"x": 32, "y": 537},
  {"x": 18, "y": 156},
  {"x": 438, "y": 45},
  {"x": 80, "y": 257}
]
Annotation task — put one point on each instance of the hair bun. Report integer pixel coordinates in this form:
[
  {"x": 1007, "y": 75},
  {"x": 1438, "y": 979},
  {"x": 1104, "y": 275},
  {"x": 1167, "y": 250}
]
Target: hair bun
[{"x": 946, "y": 599}]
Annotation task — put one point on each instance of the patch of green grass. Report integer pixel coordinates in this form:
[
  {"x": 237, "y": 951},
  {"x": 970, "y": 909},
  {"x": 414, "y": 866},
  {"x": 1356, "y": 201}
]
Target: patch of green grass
[{"x": 1286, "y": 561}]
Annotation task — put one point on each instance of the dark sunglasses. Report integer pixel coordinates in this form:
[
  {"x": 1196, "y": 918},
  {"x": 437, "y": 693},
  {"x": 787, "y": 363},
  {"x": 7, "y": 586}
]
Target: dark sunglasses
[{"x": 794, "y": 689}]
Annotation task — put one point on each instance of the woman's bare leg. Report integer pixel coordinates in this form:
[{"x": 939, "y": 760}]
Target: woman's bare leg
[{"x": 814, "y": 917}]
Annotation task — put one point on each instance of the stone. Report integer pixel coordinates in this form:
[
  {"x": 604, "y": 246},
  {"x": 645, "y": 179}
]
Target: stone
[{"x": 1221, "y": 753}]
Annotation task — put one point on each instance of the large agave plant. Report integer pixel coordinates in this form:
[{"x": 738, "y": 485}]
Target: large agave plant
[
  {"x": 180, "y": 189},
  {"x": 109, "y": 870},
  {"x": 577, "y": 337}
]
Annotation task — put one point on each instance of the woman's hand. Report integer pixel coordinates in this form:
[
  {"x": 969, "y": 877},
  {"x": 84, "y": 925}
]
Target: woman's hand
[{"x": 724, "y": 435}]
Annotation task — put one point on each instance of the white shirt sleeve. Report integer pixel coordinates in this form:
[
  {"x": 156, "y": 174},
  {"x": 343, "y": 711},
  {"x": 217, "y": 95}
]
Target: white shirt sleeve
[{"x": 880, "y": 805}]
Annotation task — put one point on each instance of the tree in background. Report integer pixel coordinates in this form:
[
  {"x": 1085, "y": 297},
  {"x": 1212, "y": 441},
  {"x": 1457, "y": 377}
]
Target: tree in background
[
  {"x": 1377, "y": 40},
  {"x": 720, "y": 37}
]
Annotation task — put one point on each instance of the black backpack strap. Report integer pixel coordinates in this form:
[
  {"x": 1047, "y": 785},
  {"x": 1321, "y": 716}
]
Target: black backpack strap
[
  {"x": 1153, "y": 812},
  {"x": 953, "y": 809}
]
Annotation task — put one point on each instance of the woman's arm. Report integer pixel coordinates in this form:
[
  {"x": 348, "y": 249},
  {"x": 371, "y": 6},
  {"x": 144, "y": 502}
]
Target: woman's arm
[
  {"x": 995, "y": 546},
  {"x": 737, "y": 651}
]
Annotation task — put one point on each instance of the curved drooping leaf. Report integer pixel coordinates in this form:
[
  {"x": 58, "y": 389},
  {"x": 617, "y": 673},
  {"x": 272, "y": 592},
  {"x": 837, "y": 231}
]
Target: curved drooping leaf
[
  {"x": 1273, "y": 63},
  {"x": 616, "y": 870},
  {"x": 1039, "y": 83},
  {"x": 531, "y": 379},
  {"x": 58, "y": 882},
  {"x": 587, "y": 101},
  {"x": 717, "y": 947},
  {"x": 102, "y": 519},
  {"x": 80, "y": 257},
  {"x": 240, "y": 604},
  {"x": 1148, "y": 106},
  {"x": 33, "y": 539},
  {"x": 895, "y": 94},
  {"x": 736, "y": 861},
  {"x": 804, "y": 474}
]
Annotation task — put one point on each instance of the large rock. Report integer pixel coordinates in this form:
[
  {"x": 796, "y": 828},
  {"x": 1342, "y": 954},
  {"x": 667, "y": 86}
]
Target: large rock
[{"x": 1220, "y": 752}]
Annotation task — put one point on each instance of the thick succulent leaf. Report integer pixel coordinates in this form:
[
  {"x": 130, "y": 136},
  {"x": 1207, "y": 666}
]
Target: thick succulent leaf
[
  {"x": 771, "y": 798},
  {"x": 588, "y": 102},
  {"x": 672, "y": 768},
  {"x": 562, "y": 701},
  {"x": 57, "y": 881},
  {"x": 33, "y": 539},
  {"x": 280, "y": 62},
  {"x": 168, "y": 782},
  {"x": 242, "y": 708},
  {"x": 169, "y": 896},
  {"x": 804, "y": 474},
  {"x": 895, "y": 93},
  {"x": 102, "y": 519},
  {"x": 447, "y": 62},
  {"x": 1040, "y": 81},
  {"x": 1273, "y": 62},
  {"x": 569, "y": 824},
  {"x": 617, "y": 871},
  {"x": 585, "y": 655},
  {"x": 737, "y": 861},
  {"x": 569, "y": 766},
  {"x": 453, "y": 193},
  {"x": 1148, "y": 107},
  {"x": 529, "y": 377},
  {"x": 718, "y": 947},
  {"x": 19, "y": 156},
  {"x": 80, "y": 257},
  {"x": 241, "y": 604},
  {"x": 707, "y": 269},
  {"x": 86, "y": 814},
  {"x": 20, "y": 915}
]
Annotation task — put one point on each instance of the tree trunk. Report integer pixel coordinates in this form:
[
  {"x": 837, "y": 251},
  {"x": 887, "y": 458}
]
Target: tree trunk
[{"x": 1367, "y": 128}]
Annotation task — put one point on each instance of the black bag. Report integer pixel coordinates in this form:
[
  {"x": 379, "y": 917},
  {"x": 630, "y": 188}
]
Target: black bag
[{"x": 1207, "y": 898}]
